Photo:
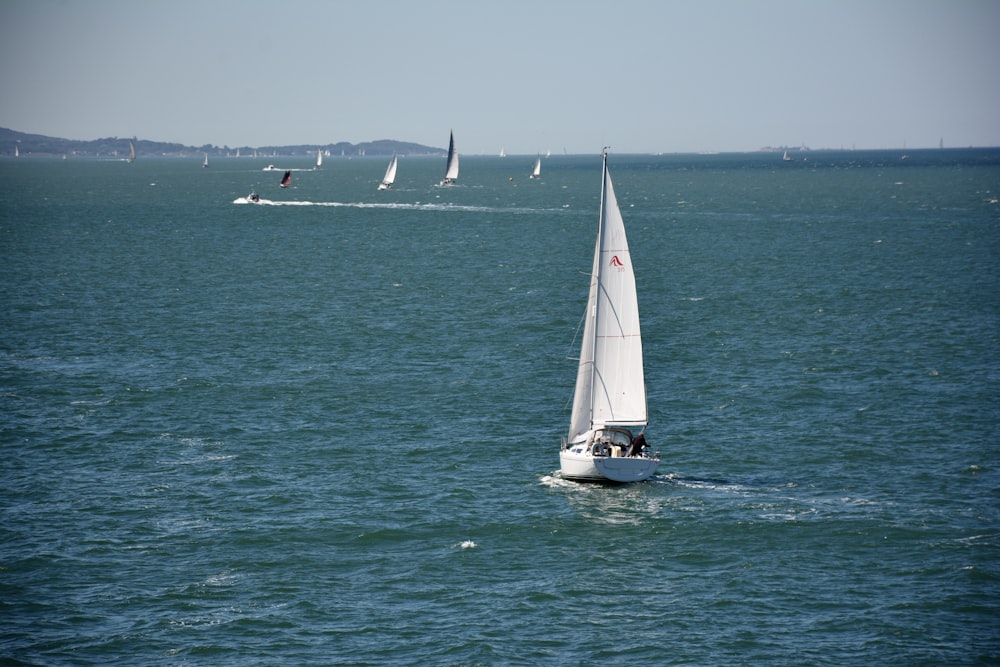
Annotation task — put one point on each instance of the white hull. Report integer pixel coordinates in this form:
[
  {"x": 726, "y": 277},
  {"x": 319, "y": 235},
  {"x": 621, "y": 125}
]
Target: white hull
[
  {"x": 577, "y": 462},
  {"x": 586, "y": 468}
]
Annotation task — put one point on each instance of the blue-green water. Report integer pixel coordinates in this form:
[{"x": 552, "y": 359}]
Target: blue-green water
[{"x": 328, "y": 433}]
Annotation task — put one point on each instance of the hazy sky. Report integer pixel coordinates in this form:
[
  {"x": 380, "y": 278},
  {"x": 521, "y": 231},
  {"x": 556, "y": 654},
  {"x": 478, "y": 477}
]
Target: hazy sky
[{"x": 526, "y": 75}]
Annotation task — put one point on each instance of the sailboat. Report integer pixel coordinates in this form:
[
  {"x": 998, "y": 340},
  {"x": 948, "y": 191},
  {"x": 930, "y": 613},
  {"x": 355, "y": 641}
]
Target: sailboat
[
  {"x": 451, "y": 171},
  {"x": 610, "y": 395},
  {"x": 131, "y": 151},
  {"x": 319, "y": 158},
  {"x": 286, "y": 180},
  {"x": 537, "y": 170},
  {"x": 205, "y": 163},
  {"x": 786, "y": 157},
  {"x": 390, "y": 175}
]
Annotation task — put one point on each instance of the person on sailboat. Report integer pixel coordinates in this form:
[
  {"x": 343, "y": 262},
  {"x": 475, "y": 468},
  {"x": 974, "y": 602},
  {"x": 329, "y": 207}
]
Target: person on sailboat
[{"x": 638, "y": 444}]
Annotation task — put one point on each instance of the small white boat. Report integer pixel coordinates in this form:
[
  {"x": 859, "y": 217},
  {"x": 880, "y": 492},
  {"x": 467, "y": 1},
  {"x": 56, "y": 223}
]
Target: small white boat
[
  {"x": 319, "y": 158},
  {"x": 205, "y": 163},
  {"x": 390, "y": 175},
  {"x": 537, "y": 170},
  {"x": 786, "y": 157},
  {"x": 270, "y": 167},
  {"x": 131, "y": 151},
  {"x": 252, "y": 198},
  {"x": 451, "y": 171},
  {"x": 610, "y": 395}
]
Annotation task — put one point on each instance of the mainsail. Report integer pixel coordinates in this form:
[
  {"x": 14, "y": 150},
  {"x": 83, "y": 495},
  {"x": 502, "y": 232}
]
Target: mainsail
[
  {"x": 390, "y": 175},
  {"x": 610, "y": 387},
  {"x": 451, "y": 172}
]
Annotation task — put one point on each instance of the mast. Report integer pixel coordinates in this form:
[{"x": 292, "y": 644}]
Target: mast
[
  {"x": 582, "y": 417},
  {"x": 598, "y": 251}
]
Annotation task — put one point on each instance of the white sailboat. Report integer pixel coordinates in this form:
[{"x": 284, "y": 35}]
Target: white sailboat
[
  {"x": 537, "y": 169},
  {"x": 610, "y": 395},
  {"x": 390, "y": 175},
  {"x": 451, "y": 171},
  {"x": 205, "y": 163},
  {"x": 319, "y": 158},
  {"x": 131, "y": 151}
]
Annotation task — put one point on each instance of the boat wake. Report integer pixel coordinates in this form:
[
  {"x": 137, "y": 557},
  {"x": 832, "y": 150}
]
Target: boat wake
[
  {"x": 557, "y": 481},
  {"x": 418, "y": 206}
]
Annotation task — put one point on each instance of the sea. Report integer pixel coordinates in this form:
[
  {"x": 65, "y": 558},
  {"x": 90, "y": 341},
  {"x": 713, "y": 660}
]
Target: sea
[{"x": 324, "y": 430}]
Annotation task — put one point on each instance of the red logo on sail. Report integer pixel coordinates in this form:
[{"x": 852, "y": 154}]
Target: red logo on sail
[{"x": 617, "y": 263}]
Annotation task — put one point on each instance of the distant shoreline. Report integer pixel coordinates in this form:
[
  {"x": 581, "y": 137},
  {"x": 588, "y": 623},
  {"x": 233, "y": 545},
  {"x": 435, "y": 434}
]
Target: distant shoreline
[
  {"x": 23, "y": 144},
  {"x": 13, "y": 142}
]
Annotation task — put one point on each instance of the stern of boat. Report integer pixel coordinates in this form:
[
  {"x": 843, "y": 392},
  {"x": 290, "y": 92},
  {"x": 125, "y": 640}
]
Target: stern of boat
[{"x": 601, "y": 456}]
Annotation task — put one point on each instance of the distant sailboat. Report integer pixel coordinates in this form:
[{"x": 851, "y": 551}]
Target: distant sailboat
[
  {"x": 610, "y": 394},
  {"x": 319, "y": 159},
  {"x": 286, "y": 180},
  {"x": 390, "y": 175},
  {"x": 205, "y": 163},
  {"x": 537, "y": 171},
  {"x": 786, "y": 157},
  {"x": 503, "y": 153},
  {"x": 131, "y": 151},
  {"x": 451, "y": 171},
  {"x": 17, "y": 151}
]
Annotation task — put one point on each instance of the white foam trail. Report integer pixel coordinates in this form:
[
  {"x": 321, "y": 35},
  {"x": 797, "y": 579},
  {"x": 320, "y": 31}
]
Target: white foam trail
[{"x": 412, "y": 207}]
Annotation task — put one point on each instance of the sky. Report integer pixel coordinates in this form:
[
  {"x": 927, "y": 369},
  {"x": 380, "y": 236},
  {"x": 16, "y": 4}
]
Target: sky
[{"x": 641, "y": 76}]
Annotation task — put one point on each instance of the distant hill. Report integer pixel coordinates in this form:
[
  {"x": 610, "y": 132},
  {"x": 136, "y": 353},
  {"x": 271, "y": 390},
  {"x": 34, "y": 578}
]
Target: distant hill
[{"x": 37, "y": 144}]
